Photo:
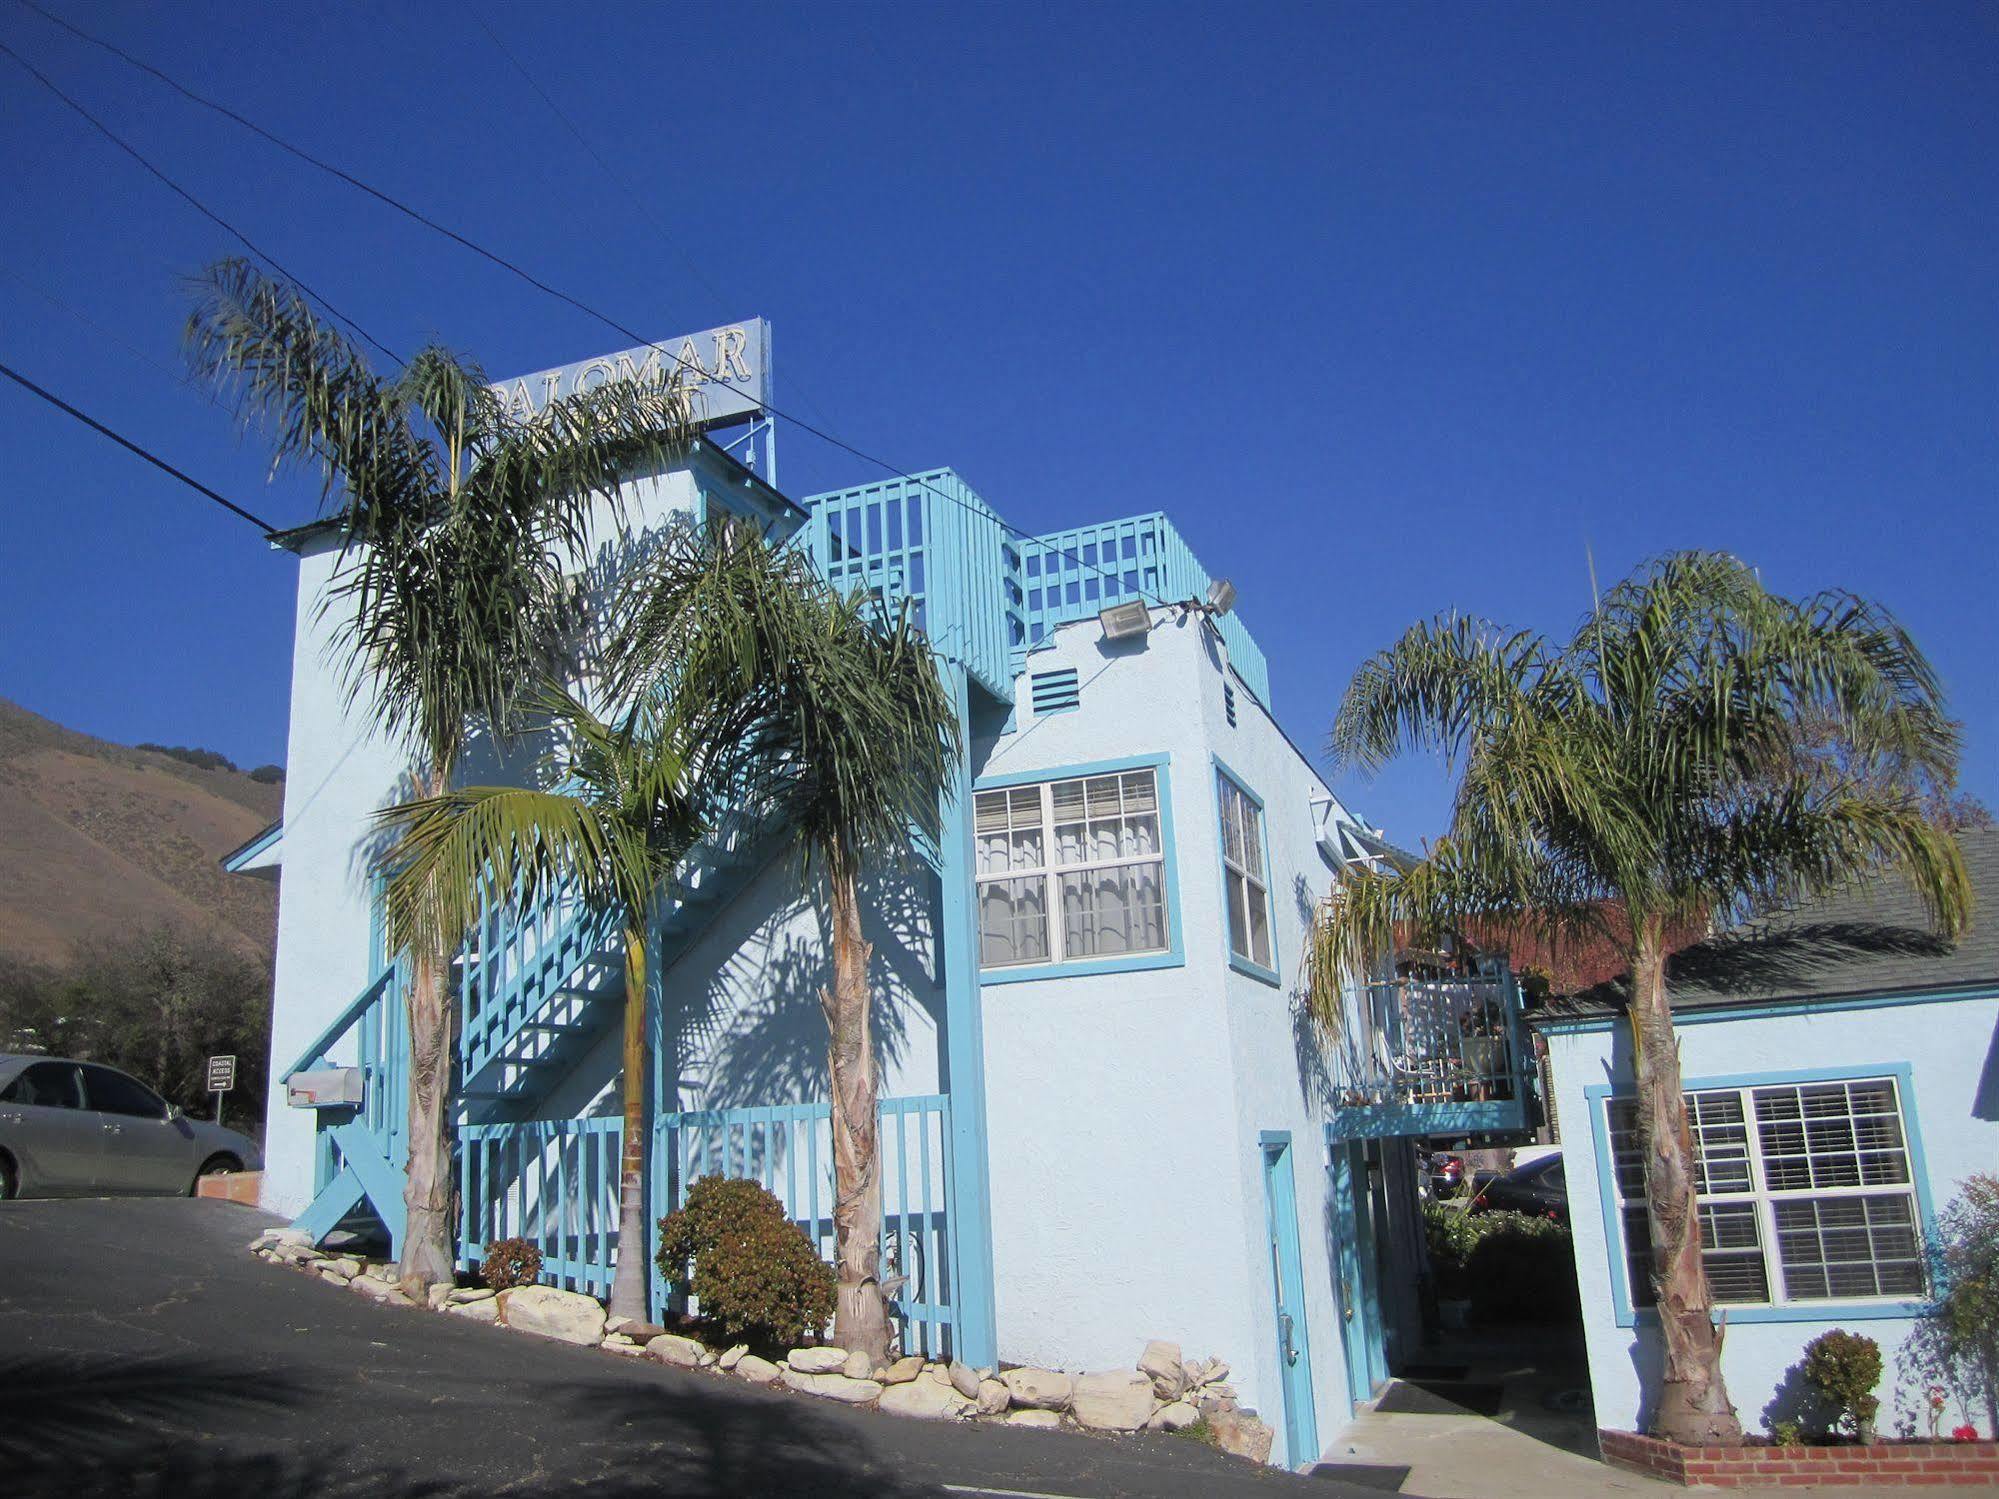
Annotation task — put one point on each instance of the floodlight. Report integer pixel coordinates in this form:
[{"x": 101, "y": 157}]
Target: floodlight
[
  {"x": 1221, "y": 596},
  {"x": 1123, "y": 621}
]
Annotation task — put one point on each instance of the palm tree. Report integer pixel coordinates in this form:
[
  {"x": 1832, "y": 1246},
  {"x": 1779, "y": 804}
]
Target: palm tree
[
  {"x": 855, "y": 737},
  {"x": 1700, "y": 746},
  {"x": 620, "y": 811},
  {"x": 458, "y": 520}
]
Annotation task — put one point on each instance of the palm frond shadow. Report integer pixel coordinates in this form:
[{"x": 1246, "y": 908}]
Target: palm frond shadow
[{"x": 60, "y": 1406}]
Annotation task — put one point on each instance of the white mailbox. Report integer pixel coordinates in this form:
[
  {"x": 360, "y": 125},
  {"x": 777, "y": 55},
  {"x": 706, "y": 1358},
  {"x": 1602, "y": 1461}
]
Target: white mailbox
[{"x": 329, "y": 1088}]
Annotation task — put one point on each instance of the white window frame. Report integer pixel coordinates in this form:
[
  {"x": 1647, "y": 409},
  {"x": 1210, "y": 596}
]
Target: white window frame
[
  {"x": 1766, "y": 1200},
  {"x": 1231, "y": 793},
  {"x": 1050, "y": 871}
]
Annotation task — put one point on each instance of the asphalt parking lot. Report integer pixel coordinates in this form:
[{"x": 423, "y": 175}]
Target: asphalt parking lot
[{"x": 143, "y": 1352}]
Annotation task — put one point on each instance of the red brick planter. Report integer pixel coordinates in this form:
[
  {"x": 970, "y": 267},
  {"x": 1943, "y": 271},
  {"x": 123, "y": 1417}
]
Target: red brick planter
[{"x": 1882, "y": 1465}]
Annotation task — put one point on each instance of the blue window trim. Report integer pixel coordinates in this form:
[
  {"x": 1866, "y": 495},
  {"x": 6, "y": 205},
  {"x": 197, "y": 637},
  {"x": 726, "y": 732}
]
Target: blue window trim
[
  {"x": 1800, "y": 1311},
  {"x": 1237, "y": 961},
  {"x": 1174, "y": 955}
]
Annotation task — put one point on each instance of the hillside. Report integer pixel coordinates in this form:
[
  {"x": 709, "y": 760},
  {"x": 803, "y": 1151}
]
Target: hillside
[{"x": 98, "y": 837}]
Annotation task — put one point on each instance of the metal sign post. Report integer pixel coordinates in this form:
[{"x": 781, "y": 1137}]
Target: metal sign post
[{"x": 221, "y": 1080}]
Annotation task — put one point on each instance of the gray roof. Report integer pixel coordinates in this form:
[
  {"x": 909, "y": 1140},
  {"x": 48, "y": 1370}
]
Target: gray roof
[{"x": 1872, "y": 938}]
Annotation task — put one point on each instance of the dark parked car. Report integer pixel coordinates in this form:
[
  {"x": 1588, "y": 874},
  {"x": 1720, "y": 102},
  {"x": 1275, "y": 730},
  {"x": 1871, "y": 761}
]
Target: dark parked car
[
  {"x": 80, "y": 1129},
  {"x": 1538, "y": 1187}
]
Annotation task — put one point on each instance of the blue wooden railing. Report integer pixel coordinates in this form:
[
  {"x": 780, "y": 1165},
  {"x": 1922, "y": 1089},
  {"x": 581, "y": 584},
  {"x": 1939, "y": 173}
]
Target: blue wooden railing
[
  {"x": 555, "y": 1183},
  {"x": 517, "y": 966},
  {"x": 361, "y": 1151}
]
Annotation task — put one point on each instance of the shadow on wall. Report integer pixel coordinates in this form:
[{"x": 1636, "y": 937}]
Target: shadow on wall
[
  {"x": 85, "y": 1428},
  {"x": 754, "y": 1033},
  {"x": 1796, "y": 1401}
]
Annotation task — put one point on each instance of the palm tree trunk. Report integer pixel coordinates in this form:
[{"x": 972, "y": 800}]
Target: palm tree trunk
[
  {"x": 628, "y": 1285},
  {"x": 860, "y": 1318},
  {"x": 427, "y": 1227},
  {"x": 1693, "y": 1401}
]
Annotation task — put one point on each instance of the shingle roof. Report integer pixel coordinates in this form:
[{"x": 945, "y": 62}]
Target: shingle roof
[{"x": 1871, "y": 938}]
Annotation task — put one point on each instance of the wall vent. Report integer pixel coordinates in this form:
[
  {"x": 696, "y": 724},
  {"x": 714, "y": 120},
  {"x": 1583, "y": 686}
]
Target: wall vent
[
  {"x": 1228, "y": 702},
  {"x": 1054, "y": 691}
]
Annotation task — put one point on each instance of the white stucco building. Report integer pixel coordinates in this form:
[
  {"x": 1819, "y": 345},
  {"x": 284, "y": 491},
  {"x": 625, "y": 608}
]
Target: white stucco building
[
  {"x": 1104, "y": 1118},
  {"x": 1841, "y": 1066}
]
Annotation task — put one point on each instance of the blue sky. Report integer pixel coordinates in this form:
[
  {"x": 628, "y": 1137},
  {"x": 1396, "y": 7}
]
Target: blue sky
[{"x": 1394, "y": 309}]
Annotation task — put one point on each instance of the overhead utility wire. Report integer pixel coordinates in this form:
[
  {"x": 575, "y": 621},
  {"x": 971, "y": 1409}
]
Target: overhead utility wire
[
  {"x": 605, "y": 318},
  {"x": 199, "y": 207},
  {"x": 132, "y": 447}
]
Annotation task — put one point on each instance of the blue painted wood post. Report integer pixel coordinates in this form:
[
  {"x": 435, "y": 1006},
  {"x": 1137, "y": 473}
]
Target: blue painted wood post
[{"x": 975, "y": 1336}]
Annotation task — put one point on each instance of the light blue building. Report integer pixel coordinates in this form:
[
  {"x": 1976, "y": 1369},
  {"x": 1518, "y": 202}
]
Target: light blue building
[
  {"x": 1105, "y": 1118},
  {"x": 1841, "y": 1067}
]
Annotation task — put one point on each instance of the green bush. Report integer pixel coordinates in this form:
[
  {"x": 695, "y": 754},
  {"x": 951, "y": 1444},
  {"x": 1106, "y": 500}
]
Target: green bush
[
  {"x": 1512, "y": 1267},
  {"x": 755, "y": 1274},
  {"x": 510, "y": 1263},
  {"x": 1843, "y": 1368}
]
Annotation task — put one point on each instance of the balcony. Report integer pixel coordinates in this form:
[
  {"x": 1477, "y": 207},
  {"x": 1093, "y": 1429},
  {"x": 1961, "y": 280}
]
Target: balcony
[{"x": 1433, "y": 1056}]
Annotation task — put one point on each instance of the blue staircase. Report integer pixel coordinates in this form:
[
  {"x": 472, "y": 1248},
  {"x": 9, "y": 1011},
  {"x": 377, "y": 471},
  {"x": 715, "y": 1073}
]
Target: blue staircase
[{"x": 536, "y": 990}]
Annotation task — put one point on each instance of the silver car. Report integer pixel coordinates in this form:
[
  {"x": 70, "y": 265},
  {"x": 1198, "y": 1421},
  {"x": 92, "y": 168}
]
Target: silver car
[{"x": 81, "y": 1129}]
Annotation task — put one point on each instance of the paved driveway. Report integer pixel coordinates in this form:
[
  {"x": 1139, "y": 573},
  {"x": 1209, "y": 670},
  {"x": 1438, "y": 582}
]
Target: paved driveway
[{"x": 143, "y": 1353}]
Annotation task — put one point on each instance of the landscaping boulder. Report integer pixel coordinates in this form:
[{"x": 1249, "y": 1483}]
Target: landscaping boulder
[
  {"x": 487, "y": 1310},
  {"x": 670, "y": 1348},
  {"x": 1242, "y": 1434},
  {"x": 1161, "y": 1362},
  {"x": 548, "y": 1312},
  {"x": 437, "y": 1295},
  {"x": 1112, "y": 1400},
  {"x": 817, "y": 1360},
  {"x": 858, "y": 1365},
  {"x": 756, "y": 1370},
  {"x": 964, "y": 1379},
  {"x": 1047, "y": 1420},
  {"x": 1039, "y": 1389},
  {"x": 1211, "y": 1370},
  {"x": 731, "y": 1357},
  {"x": 624, "y": 1345},
  {"x": 992, "y": 1398},
  {"x": 462, "y": 1295},
  {"x": 924, "y": 1400},
  {"x": 902, "y": 1371},
  {"x": 834, "y": 1387},
  {"x": 1173, "y": 1416},
  {"x": 381, "y": 1290}
]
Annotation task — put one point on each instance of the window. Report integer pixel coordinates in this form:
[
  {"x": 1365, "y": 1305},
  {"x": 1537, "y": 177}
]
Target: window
[
  {"x": 52, "y": 1085},
  {"x": 1084, "y": 853},
  {"x": 1804, "y": 1193},
  {"x": 114, "y": 1093},
  {"x": 1247, "y": 892}
]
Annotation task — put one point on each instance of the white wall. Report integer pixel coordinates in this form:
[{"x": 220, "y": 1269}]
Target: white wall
[
  {"x": 340, "y": 769},
  {"x": 1949, "y": 1047},
  {"x": 1125, "y": 1110}
]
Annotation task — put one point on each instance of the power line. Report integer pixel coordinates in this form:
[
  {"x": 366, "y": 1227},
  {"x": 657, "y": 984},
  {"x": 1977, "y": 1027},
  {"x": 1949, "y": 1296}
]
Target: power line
[
  {"x": 199, "y": 207},
  {"x": 132, "y": 447},
  {"x": 581, "y": 306}
]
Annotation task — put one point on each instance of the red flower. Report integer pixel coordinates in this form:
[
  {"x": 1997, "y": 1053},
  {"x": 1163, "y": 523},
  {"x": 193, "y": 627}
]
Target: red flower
[{"x": 1964, "y": 1433}]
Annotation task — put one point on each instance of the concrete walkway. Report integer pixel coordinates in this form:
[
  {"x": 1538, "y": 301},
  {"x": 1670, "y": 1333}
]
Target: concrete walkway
[{"x": 1540, "y": 1445}]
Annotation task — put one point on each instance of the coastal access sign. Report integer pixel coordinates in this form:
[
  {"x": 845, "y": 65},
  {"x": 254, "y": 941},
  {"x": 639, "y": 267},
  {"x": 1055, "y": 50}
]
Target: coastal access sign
[{"x": 726, "y": 371}]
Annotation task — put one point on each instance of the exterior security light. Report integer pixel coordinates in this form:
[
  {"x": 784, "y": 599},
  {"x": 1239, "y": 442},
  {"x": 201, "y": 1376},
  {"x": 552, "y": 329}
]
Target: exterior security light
[
  {"x": 1123, "y": 621},
  {"x": 1221, "y": 596}
]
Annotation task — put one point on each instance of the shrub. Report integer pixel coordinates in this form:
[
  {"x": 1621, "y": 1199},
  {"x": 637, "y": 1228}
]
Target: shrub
[
  {"x": 268, "y": 775},
  {"x": 510, "y": 1263},
  {"x": 755, "y": 1274},
  {"x": 1954, "y": 1350},
  {"x": 1843, "y": 1368},
  {"x": 1512, "y": 1267}
]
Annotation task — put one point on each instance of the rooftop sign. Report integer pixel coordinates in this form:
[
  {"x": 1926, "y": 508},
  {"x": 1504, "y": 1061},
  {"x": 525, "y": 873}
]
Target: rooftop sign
[{"x": 729, "y": 368}]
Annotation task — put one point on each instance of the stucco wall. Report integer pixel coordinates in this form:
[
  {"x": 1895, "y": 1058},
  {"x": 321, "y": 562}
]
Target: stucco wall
[
  {"x": 340, "y": 768},
  {"x": 1949, "y": 1047},
  {"x": 1126, "y": 1109}
]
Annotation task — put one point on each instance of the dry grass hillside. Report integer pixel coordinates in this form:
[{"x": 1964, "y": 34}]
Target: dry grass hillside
[{"x": 99, "y": 838}]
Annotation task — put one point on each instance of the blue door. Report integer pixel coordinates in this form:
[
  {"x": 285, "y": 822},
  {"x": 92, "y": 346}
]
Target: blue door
[
  {"x": 1354, "y": 1263},
  {"x": 1287, "y": 1279}
]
